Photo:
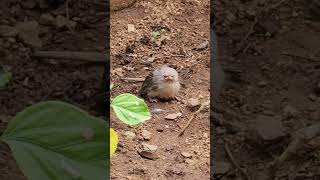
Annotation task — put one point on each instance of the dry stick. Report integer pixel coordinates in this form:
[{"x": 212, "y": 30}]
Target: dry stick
[
  {"x": 99, "y": 3},
  {"x": 295, "y": 173},
  {"x": 298, "y": 56},
  {"x": 244, "y": 40},
  {"x": 67, "y": 10},
  {"x": 188, "y": 21},
  {"x": 134, "y": 79},
  {"x": 301, "y": 136},
  {"x": 170, "y": 56},
  {"x": 103, "y": 13},
  {"x": 82, "y": 56},
  {"x": 232, "y": 159},
  {"x": 191, "y": 119},
  {"x": 277, "y": 4}
]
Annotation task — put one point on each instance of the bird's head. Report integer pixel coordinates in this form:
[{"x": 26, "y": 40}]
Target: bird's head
[
  {"x": 165, "y": 74},
  {"x": 168, "y": 74}
]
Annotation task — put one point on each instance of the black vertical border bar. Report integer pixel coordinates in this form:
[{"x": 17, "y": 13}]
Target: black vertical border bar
[
  {"x": 213, "y": 59},
  {"x": 106, "y": 88}
]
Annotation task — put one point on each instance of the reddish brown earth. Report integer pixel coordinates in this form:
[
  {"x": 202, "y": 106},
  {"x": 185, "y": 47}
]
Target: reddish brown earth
[{"x": 187, "y": 27}]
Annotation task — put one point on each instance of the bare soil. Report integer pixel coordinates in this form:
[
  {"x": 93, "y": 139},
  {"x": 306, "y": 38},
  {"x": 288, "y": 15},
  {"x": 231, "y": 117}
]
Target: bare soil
[
  {"x": 275, "y": 74},
  {"x": 35, "y": 79},
  {"x": 135, "y": 55}
]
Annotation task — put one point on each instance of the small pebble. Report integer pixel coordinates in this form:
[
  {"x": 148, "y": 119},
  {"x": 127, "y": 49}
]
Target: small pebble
[
  {"x": 146, "y": 134},
  {"x": 149, "y": 147},
  {"x": 193, "y": 102},
  {"x": 173, "y": 116},
  {"x": 130, "y": 135},
  {"x": 186, "y": 154}
]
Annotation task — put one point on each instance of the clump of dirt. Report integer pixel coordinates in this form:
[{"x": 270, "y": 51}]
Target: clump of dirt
[
  {"x": 28, "y": 26},
  {"x": 144, "y": 37},
  {"x": 270, "y": 53}
]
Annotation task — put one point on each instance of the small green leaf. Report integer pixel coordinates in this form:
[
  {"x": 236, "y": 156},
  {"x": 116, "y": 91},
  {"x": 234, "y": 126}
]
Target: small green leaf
[
  {"x": 130, "y": 109},
  {"x": 5, "y": 78},
  {"x": 56, "y": 140},
  {"x": 155, "y": 34}
]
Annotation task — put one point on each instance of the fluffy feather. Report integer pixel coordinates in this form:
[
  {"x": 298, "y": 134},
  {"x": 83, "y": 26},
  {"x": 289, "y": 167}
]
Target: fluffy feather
[{"x": 155, "y": 84}]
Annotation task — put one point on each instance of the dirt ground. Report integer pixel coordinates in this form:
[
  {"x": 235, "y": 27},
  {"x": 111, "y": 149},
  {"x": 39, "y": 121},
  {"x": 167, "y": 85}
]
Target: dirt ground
[
  {"x": 134, "y": 55},
  {"x": 35, "y": 79},
  {"x": 272, "y": 88}
]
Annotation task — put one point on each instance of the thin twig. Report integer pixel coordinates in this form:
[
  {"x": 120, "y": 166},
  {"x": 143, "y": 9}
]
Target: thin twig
[
  {"x": 192, "y": 118},
  {"x": 134, "y": 79},
  {"x": 251, "y": 29},
  {"x": 245, "y": 38},
  {"x": 71, "y": 55},
  {"x": 254, "y": 23},
  {"x": 277, "y": 4},
  {"x": 297, "y": 169},
  {"x": 298, "y": 56},
  {"x": 100, "y": 3},
  {"x": 188, "y": 21},
  {"x": 299, "y": 138},
  {"x": 170, "y": 56},
  {"x": 103, "y": 13},
  {"x": 67, "y": 10},
  {"x": 232, "y": 159}
]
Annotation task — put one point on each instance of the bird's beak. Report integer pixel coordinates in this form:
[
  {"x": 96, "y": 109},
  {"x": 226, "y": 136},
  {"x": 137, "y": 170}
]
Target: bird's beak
[{"x": 168, "y": 78}]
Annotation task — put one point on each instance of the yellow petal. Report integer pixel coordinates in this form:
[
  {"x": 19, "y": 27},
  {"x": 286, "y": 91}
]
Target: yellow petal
[{"x": 113, "y": 141}]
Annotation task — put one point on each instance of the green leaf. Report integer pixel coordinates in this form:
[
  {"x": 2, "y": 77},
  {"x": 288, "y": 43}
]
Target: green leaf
[
  {"x": 155, "y": 34},
  {"x": 130, "y": 109},
  {"x": 56, "y": 140},
  {"x": 5, "y": 78}
]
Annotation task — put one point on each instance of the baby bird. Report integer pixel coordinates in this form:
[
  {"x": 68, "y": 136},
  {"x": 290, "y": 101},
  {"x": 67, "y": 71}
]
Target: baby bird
[{"x": 163, "y": 83}]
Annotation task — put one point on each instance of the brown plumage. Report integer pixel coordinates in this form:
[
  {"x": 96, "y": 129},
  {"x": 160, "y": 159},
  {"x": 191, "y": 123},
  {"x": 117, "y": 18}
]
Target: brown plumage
[{"x": 162, "y": 83}]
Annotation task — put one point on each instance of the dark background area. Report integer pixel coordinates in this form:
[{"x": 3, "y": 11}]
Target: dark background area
[
  {"x": 49, "y": 25},
  {"x": 270, "y": 54}
]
